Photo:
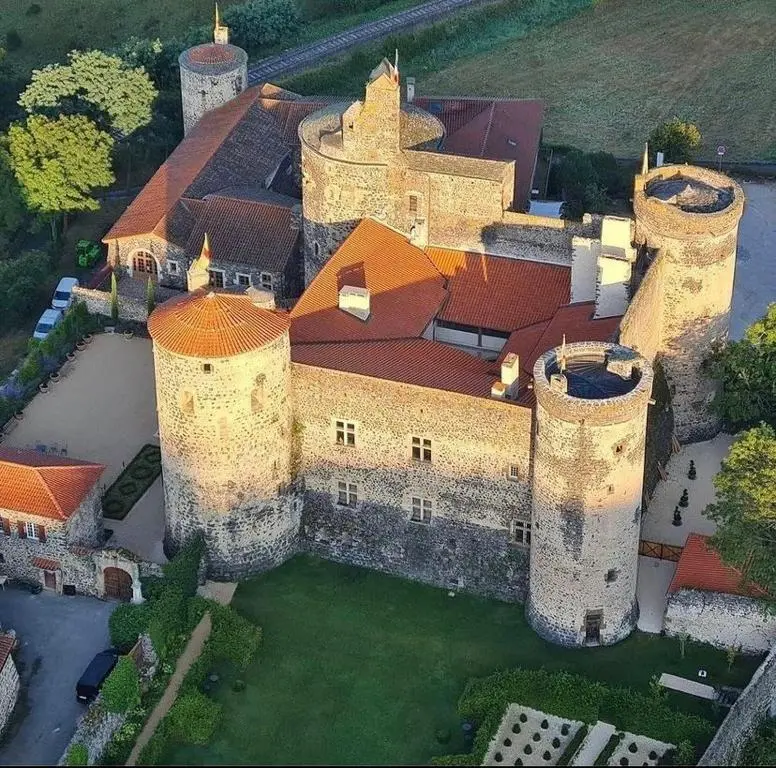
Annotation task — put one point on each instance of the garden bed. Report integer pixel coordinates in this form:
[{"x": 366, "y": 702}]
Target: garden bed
[{"x": 132, "y": 483}]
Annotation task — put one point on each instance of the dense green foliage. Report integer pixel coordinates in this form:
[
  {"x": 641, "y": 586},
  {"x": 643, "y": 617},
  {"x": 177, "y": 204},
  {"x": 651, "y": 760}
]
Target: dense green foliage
[
  {"x": 760, "y": 749},
  {"x": 59, "y": 163},
  {"x": 183, "y": 570},
  {"x": 96, "y": 84},
  {"x": 127, "y": 622},
  {"x": 121, "y": 691},
  {"x": 747, "y": 370},
  {"x": 745, "y": 508},
  {"x": 167, "y": 622},
  {"x": 588, "y": 182},
  {"x": 194, "y": 718},
  {"x": 258, "y": 23},
  {"x": 12, "y": 208},
  {"x": 22, "y": 284},
  {"x": 677, "y": 139},
  {"x": 77, "y": 755}
]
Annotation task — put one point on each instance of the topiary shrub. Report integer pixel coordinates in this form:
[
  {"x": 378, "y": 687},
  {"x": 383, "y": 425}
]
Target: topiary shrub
[
  {"x": 77, "y": 755},
  {"x": 233, "y": 637},
  {"x": 183, "y": 570},
  {"x": 121, "y": 690},
  {"x": 194, "y": 718},
  {"x": 127, "y": 623}
]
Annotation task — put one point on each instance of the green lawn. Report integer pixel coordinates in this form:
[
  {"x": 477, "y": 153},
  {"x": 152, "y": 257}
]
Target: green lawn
[{"x": 359, "y": 667}]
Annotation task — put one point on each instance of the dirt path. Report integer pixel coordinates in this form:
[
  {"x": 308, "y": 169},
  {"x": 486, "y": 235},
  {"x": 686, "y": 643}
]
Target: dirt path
[
  {"x": 190, "y": 654},
  {"x": 313, "y": 54}
]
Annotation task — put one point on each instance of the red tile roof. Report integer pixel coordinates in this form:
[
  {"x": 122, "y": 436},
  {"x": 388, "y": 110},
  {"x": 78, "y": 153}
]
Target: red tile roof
[
  {"x": 497, "y": 292},
  {"x": 405, "y": 288},
  {"x": 210, "y": 324},
  {"x": 701, "y": 567},
  {"x": 46, "y": 563},
  {"x": 420, "y": 362},
  {"x": 7, "y": 643},
  {"x": 39, "y": 484},
  {"x": 495, "y": 129}
]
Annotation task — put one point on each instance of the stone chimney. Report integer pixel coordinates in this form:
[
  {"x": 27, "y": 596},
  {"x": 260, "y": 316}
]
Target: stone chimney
[
  {"x": 261, "y": 298},
  {"x": 410, "y": 90},
  {"x": 354, "y": 301},
  {"x": 198, "y": 275},
  {"x": 507, "y": 387}
]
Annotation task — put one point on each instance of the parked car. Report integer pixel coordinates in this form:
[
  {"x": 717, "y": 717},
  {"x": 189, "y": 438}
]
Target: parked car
[
  {"x": 95, "y": 674},
  {"x": 87, "y": 253},
  {"x": 48, "y": 321},
  {"x": 63, "y": 295}
]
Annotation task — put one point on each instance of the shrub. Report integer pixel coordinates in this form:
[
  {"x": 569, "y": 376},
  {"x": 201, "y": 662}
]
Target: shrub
[
  {"x": 183, "y": 570},
  {"x": 467, "y": 759},
  {"x": 77, "y": 755},
  {"x": 12, "y": 40},
  {"x": 127, "y": 623},
  {"x": 121, "y": 690},
  {"x": 194, "y": 718},
  {"x": 258, "y": 23},
  {"x": 32, "y": 10},
  {"x": 152, "y": 753},
  {"x": 233, "y": 637},
  {"x": 677, "y": 139},
  {"x": 167, "y": 621}
]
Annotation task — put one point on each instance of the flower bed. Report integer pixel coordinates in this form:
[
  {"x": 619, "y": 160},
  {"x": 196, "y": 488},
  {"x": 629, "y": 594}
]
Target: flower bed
[{"x": 132, "y": 483}]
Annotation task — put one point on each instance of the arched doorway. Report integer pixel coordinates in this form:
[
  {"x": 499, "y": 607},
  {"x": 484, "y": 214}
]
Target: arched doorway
[
  {"x": 144, "y": 266},
  {"x": 118, "y": 584}
]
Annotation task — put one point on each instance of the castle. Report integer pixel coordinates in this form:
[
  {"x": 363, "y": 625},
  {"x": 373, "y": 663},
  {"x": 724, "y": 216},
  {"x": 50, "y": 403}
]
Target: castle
[{"x": 461, "y": 393}]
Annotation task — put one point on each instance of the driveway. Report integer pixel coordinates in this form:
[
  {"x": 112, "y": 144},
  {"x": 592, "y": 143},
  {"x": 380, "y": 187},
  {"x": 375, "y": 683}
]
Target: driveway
[{"x": 58, "y": 637}]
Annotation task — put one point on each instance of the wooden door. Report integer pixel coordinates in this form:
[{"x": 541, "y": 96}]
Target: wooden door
[{"x": 118, "y": 584}]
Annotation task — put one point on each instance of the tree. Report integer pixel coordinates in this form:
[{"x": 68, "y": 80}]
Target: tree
[
  {"x": 102, "y": 86},
  {"x": 262, "y": 22},
  {"x": 150, "y": 296},
  {"x": 114, "y": 299},
  {"x": 747, "y": 370},
  {"x": 12, "y": 209},
  {"x": 676, "y": 139},
  {"x": 59, "y": 163},
  {"x": 580, "y": 185},
  {"x": 745, "y": 509}
]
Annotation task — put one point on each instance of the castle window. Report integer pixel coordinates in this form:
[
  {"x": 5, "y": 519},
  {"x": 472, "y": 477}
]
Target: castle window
[
  {"x": 421, "y": 510},
  {"x": 316, "y": 249},
  {"x": 207, "y": 368},
  {"x": 618, "y": 448},
  {"x": 610, "y": 489},
  {"x": 30, "y": 531},
  {"x": 345, "y": 433},
  {"x": 421, "y": 449},
  {"x": 243, "y": 280},
  {"x": 611, "y": 575},
  {"x": 521, "y": 533},
  {"x": 513, "y": 473},
  {"x": 414, "y": 204},
  {"x": 267, "y": 282},
  {"x": 186, "y": 400},
  {"x": 172, "y": 267},
  {"x": 257, "y": 396},
  {"x": 216, "y": 278},
  {"x": 144, "y": 262},
  {"x": 347, "y": 494},
  {"x": 223, "y": 428}
]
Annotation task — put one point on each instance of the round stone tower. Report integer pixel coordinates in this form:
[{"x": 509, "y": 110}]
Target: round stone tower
[
  {"x": 352, "y": 167},
  {"x": 211, "y": 74},
  {"x": 222, "y": 366},
  {"x": 690, "y": 216},
  {"x": 591, "y": 414}
]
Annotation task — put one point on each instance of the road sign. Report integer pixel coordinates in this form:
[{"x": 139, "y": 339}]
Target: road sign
[{"x": 721, "y": 150}]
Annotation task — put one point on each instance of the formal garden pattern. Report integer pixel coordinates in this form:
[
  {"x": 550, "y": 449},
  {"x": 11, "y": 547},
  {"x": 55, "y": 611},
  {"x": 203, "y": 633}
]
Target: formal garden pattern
[{"x": 132, "y": 483}]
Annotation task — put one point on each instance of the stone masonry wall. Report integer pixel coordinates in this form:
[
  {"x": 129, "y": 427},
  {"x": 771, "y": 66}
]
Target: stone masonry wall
[
  {"x": 9, "y": 691},
  {"x": 122, "y": 251},
  {"x": 757, "y": 702},
  {"x": 225, "y": 437},
  {"x": 641, "y": 326},
  {"x": 723, "y": 621},
  {"x": 133, "y": 305},
  {"x": 474, "y": 505},
  {"x": 587, "y": 496}
]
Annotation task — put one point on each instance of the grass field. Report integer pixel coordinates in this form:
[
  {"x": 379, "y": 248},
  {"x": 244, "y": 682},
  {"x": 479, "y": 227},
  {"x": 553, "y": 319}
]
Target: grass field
[{"x": 360, "y": 668}]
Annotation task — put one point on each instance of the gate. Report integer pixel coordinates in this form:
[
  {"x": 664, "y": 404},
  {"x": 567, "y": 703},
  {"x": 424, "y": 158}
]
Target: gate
[
  {"x": 118, "y": 584},
  {"x": 660, "y": 551}
]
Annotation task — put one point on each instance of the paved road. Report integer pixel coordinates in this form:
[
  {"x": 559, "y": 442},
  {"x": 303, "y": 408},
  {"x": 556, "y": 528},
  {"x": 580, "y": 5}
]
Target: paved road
[
  {"x": 59, "y": 636},
  {"x": 312, "y": 54}
]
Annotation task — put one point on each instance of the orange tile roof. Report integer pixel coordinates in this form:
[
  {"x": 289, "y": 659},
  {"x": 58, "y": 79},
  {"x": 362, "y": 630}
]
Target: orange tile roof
[
  {"x": 206, "y": 323},
  {"x": 701, "y": 567},
  {"x": 405, "y": 288},
  {"x": 7, "y": 643},
  {"x": 497, "y": 292},
  {"x": 46, "y": 563},
  {"x": 39, "y": 484},
  {"x": 420, "y": 362}
]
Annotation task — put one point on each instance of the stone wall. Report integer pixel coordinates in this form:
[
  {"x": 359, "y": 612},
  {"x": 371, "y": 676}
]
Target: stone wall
[
  {"x": 757, "y": 702},
  {"x": 133, "y": 306},
  {"x": 587, "y": 497},
  {"x": 9, "y": 691},
  {"x": 641, "y": 326},
  {"x": 468, "y": 542},
  {"x": 723, "y": 621},
  {"x": 225, "y": 437}
]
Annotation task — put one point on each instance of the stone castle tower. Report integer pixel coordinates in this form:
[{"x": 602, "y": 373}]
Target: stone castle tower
[
  {"x": 222, "y": 365},
  {"x": 591, "y": 413},
  {"x": 211, "y": 74},
  {"x": 687, "y": 216}
]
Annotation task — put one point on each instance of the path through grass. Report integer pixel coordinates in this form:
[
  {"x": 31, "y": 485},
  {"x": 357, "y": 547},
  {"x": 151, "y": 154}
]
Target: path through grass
[{"x": 362, "y": 668}]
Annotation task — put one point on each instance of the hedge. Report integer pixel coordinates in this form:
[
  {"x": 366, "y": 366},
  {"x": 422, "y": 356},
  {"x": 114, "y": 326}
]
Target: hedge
[
  {"x": 194, "y": 718},
  {"x": 121, "y": 691},
  {"x": 168, "y": 621},
  {"x": 77, "y": 755},
  {"x": 127, "y": 623},
  {"x": 183, "y": 570}
]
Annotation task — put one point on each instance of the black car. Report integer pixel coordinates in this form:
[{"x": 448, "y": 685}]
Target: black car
[{"x": 99, "y": 668}]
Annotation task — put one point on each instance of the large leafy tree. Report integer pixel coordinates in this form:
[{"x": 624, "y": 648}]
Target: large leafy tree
[
  {"x": 747, "y": 370},
  {"x": 12, "y": 209},
  {"x": 745, "y": 509},
  {"x": 118, "y": 97},
  {"x": 59, "y": 163},
  {"x": 677, "y": 139}
]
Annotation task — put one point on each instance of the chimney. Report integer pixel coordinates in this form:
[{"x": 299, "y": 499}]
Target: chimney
[
  {"x": 261, "y": 298},
  {"x": 507, "y": 386},
  {"x": 410, "y": 89},
  {"x": 354, "y": 301}
]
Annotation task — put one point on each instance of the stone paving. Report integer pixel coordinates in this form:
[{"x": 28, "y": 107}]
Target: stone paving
[
  {"x": 594, "y": 743},
  {"x": 652, "y": 592}
]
